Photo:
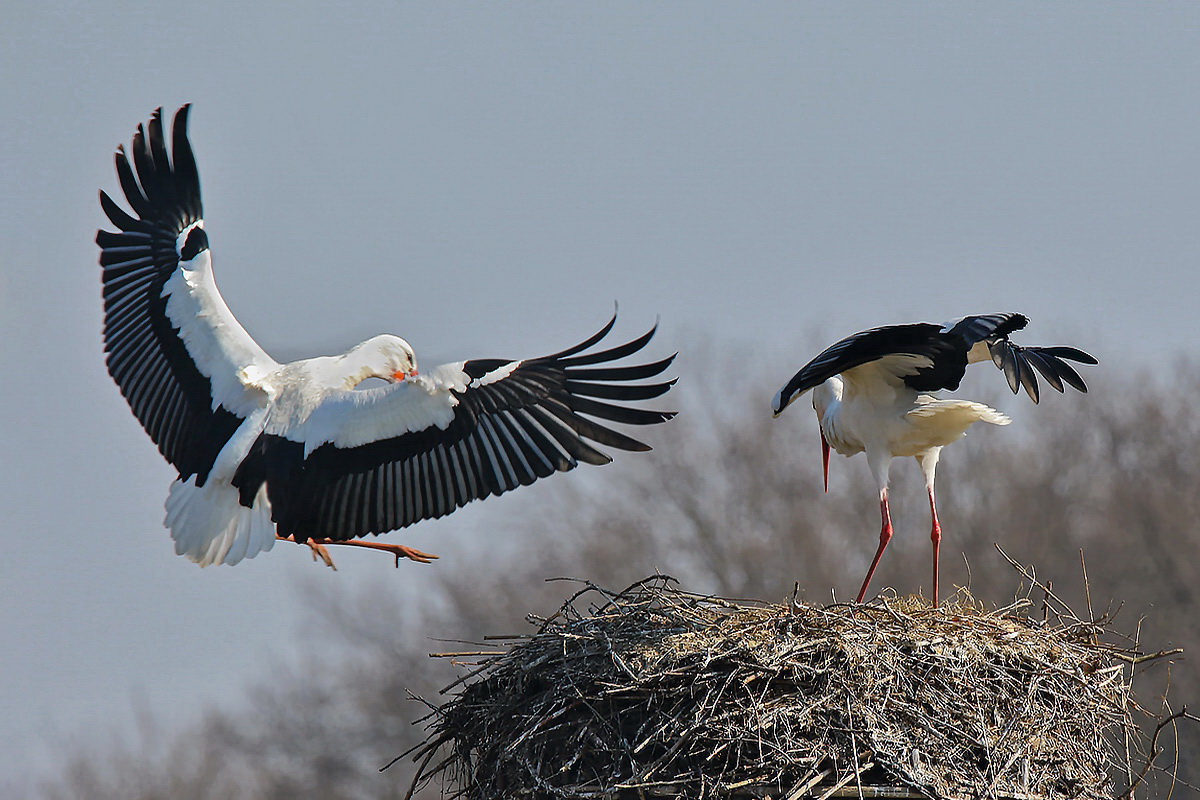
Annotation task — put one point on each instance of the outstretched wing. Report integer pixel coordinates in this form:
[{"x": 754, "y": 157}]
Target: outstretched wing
[
  {"x": 179, "y": 356},
  {"x": 924, "y": 357},
  {"x": 380, "y": 459}
]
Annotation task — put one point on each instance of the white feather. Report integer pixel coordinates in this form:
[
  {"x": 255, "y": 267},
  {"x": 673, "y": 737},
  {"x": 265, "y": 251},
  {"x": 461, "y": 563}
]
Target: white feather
[
  {"x": 349, "y": 418},
  {"x": 221, "y": 349},
  {"x": 884, "y": 374},
  {"x": 210, "y": 526},
  {"x": 498, "y": 374}
]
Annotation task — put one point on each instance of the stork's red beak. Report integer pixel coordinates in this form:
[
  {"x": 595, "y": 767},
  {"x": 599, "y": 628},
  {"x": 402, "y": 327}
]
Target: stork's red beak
[{"x": 825, "y": 459}]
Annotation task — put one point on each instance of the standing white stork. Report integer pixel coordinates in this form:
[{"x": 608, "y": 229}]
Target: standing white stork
[
  {"x": 267, "y": 450},
  {"x": 872, "y": 394}
]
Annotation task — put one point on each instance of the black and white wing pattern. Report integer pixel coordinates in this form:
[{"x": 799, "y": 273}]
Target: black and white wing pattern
[
  {"x": 174, "y": 349},
  {"x": 927, "y": 357},
  {"x": 987, "y": 336},
  {"x": 374, "y": 460}
]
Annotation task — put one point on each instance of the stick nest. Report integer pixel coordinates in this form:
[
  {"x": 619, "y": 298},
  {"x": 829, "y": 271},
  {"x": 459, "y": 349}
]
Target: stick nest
[{"x": 655, "y": 692}]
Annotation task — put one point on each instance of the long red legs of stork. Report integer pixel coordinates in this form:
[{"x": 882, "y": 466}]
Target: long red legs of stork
[
  {"x": 880, "y": 464},
  {"x": 399, "y": 551}
]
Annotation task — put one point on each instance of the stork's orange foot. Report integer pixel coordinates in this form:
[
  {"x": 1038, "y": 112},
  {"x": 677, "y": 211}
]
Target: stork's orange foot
[{"x": 317, "y": 547}]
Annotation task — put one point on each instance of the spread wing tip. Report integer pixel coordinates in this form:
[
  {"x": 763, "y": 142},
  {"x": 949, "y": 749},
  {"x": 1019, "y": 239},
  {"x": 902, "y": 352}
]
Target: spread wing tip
[{"x": 1020, "y": 363}]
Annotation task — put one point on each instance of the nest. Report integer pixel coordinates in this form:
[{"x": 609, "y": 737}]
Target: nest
[{"x": 655, "y": 692}]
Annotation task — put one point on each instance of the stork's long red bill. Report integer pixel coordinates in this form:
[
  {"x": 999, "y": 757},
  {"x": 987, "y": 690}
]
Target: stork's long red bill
[{"x": 825, "y": 460}]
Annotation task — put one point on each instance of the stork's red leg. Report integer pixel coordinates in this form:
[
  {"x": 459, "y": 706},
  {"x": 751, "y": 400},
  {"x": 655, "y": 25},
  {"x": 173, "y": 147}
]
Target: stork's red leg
[
  {"x": 398, "y": 550},
  {"x": 935, "y": 534},
  {"x": 885, "y": 536},
  {"x": 928, "y": 461}
]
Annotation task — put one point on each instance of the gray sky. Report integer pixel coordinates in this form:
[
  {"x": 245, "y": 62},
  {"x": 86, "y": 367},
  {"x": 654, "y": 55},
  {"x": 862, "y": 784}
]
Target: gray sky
[{"x": 485, "y": 179}]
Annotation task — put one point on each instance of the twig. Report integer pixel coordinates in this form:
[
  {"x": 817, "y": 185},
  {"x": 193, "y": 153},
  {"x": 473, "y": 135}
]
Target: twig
[
  {"x": 1142, "y": 659},
  {"x": 852, "y": 776},
  {"x": 800, "y": 789},
  {"x": 1182, "y": 713},
  {"x": 1031, "y": 578},
  {"x": 1087, "y": 592}
]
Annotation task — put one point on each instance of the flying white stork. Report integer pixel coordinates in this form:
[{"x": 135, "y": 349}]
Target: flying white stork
[
  {"x": 873, "y": 394},
  {"x": 294, "y": 451}
]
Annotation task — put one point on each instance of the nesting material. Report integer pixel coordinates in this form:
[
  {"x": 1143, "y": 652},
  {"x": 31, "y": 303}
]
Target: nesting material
[{"x": 655, "y": 692}]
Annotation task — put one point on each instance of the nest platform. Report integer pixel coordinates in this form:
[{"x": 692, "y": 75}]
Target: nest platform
[{"x": 655, "y": 692}]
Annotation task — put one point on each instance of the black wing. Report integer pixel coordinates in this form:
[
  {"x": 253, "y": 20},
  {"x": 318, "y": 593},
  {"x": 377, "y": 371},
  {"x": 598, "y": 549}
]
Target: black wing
[
  {"x": 945, "y": 350},
  {"x": 535, "y": 420},
  {"x": 146, "y": 357},
  {"x": 949, "y": 348}
]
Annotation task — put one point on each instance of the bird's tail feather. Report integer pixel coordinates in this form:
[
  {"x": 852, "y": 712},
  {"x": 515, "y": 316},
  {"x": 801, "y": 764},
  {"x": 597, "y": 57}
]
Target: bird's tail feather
[
  {"x": 210, "y": 526},
  {"x": 959, "y": 412}
]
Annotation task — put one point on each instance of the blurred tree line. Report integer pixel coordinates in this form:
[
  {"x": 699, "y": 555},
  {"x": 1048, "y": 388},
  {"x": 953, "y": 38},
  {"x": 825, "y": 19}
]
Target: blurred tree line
[{"x": 730, "y": 503}]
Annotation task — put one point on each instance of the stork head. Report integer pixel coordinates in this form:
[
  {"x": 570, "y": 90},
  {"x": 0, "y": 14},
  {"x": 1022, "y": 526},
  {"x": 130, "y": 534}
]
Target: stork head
[
  {"x": 384, "y": 356},
  {"x": 779, "y": 403},
  {"x": 784, "y": 397}
]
